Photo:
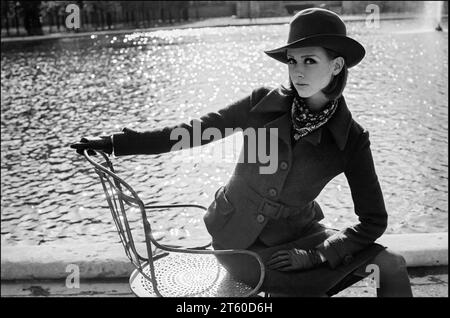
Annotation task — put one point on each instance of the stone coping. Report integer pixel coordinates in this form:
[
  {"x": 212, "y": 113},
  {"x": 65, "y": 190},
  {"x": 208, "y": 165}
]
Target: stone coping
[{"x": 105, "y": 260}]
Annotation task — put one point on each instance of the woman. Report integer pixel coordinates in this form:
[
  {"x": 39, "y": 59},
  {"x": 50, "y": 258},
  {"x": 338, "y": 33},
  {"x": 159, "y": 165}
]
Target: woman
[{"x": 275, "y": 213}]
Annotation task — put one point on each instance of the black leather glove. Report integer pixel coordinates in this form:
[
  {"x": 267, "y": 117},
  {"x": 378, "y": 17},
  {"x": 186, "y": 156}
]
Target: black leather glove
[
  {"x": 102, "y": 143},
  {"x": 294, "y": 259}
]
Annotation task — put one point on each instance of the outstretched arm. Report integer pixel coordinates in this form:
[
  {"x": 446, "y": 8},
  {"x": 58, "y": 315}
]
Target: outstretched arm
[
  {"x": 185, "y": 135},
  {"x": 212, "y": 126}
]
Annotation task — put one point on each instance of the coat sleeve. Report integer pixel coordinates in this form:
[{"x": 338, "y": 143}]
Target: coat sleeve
[
  {"x": 368, "y": 203},
  {"x": 215, "y": 125}
]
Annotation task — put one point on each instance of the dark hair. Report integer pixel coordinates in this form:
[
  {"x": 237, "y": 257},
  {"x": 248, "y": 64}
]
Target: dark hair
[{"x": 337, "y": 84}]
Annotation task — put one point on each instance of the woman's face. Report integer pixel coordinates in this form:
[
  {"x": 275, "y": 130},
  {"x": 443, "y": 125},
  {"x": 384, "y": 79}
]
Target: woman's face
[{"x": 310, "y": 69}]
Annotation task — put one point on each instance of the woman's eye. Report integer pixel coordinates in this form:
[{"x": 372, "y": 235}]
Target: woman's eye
[
  {"x": 309, "y": 61},
  {"x": 291, "y": 61}
]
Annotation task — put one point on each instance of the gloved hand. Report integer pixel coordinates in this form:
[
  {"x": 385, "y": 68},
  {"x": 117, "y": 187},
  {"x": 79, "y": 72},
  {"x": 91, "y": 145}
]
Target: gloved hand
[
  {"x": 294, "y": 259},
  {"x": 102, "y": 143}
]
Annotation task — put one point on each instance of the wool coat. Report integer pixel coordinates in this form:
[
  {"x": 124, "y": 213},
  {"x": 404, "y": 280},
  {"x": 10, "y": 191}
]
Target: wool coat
[{"x": 275, "y": 205}]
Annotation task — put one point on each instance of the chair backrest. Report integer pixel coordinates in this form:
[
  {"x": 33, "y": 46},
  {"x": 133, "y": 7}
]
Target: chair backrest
[{"x": 122, "y": 199}]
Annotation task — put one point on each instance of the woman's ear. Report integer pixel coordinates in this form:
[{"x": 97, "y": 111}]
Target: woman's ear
[{"x": 338, "y": 65}]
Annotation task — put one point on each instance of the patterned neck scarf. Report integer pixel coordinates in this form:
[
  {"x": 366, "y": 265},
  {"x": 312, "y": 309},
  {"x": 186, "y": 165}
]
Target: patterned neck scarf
[{"x": 304, "y": 121}]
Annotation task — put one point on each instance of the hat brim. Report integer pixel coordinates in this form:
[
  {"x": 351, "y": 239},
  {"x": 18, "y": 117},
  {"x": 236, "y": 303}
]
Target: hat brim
[{"x": 352, "y": 51}]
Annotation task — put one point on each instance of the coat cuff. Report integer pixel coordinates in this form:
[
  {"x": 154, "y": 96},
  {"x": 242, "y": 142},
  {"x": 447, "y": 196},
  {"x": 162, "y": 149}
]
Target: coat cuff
[
  {"x": 330, "y": 253},
  {"x": 117, "y": 140}
]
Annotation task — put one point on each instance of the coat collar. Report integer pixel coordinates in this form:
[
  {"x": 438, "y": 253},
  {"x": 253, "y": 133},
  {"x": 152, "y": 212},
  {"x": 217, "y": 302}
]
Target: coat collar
[{"x": 278, "y": 101}]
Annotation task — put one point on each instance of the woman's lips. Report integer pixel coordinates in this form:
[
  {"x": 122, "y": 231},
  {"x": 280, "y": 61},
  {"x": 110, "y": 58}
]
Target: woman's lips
[{"x": 301, "y": 84}]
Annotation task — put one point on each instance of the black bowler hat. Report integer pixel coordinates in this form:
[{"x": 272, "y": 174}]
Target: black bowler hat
[{"x": 320, "y": 27}]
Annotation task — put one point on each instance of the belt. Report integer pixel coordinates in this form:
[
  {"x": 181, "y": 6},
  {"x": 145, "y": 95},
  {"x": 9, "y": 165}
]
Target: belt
[
  {"x": 275, "y": 210},
  {"x": 270, "y": 208}
]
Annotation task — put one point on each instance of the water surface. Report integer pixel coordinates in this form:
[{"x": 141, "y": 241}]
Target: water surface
[{"x": 54, "y": 92}]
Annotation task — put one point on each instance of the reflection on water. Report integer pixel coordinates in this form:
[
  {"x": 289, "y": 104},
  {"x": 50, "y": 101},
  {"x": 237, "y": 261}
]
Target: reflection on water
[{"x": 54, "y": 92}]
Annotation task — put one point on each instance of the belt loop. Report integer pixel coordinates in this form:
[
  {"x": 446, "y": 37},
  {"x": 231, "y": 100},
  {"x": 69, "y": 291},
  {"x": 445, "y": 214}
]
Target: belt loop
[{"x": 271, "y": 206}]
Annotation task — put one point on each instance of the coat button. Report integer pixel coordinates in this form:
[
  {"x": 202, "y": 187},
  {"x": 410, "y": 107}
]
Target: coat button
[
  {"x": 348, "y": 259},
  {"x": 273, "y": 192},
  {"x": 284, "y": 165},
  {"x": 260, "y": 218}
]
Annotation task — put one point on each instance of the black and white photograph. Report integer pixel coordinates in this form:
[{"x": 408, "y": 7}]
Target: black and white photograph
[{"x": 237, "y": 152}]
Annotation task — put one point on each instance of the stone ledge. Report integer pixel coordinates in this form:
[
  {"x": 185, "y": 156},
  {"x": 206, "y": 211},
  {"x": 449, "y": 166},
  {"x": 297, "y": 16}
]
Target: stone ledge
[
  {"x": 425, "y": 282},
  {"x": 419, "y": 249},
  {"x": 106, "y": 260}
]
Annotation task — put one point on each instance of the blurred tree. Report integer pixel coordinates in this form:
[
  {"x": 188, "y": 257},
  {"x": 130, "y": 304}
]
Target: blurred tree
[
  {"x": 31, "y": 17},
  {"x": 97, "y": 13},
  {"x": 54, "y": 6}
]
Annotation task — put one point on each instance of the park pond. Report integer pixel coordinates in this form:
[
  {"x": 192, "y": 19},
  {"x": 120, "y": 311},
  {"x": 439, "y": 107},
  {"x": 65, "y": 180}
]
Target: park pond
[{"x": 53, "y": 92}]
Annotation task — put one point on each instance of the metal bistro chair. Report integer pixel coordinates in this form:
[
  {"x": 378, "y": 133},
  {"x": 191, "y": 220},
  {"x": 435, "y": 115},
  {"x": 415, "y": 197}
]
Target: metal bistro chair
[{"x": 176, "y": 272}]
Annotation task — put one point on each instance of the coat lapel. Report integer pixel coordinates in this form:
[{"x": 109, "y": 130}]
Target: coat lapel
[
  {"x": 339, "y": 125},
  {"x": 278, "y": 102},
  {"x": 283, "y": 126}
]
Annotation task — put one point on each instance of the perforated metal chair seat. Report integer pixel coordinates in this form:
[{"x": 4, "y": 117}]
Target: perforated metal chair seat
[{"x": 188, "y": 275}]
